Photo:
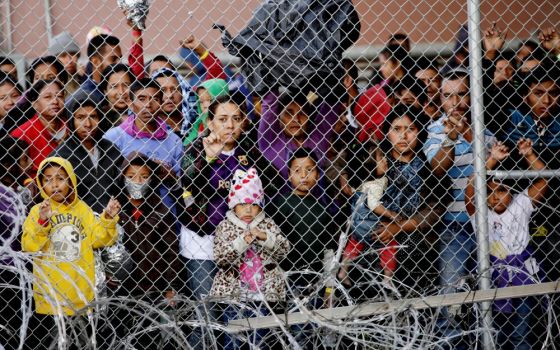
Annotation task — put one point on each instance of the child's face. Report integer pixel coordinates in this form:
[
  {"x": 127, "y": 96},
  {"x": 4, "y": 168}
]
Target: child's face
[
  {"x": 294, "y": 120},
  {"x": 499, "y": 197},
  {"x": 247, "y": 212},
  {"x": 56, "y": 184},
  {"x": 8, "y": 98},
  {"x": 303, "y": 175},
  {"x": 139, "y": 174},
  {"x": 204, "y": 98},
  {"x": 403, "y": 135}
]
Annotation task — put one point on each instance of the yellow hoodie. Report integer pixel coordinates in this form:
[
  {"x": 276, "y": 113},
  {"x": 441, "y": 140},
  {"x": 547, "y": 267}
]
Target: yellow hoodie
[{"x": 64, "y": 268}]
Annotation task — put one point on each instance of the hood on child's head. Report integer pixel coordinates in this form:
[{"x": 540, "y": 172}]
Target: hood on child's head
[
  {"x": 67, "y": 168},
  {"x": 246, "y": 188}
]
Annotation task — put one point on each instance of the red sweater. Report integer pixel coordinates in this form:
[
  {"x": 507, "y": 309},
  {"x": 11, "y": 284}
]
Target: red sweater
[{"x": 38, "y": 138}]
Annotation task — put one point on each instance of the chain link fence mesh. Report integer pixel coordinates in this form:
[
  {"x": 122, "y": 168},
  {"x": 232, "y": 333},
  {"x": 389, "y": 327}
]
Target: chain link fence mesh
[{"x": 287, "y": 174}]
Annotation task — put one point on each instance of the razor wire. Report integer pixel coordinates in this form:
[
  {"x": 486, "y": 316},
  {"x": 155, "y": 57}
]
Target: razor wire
[{"x": 290, "y": 174}]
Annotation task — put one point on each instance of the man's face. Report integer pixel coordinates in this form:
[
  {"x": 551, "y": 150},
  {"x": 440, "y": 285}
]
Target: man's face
[
  {"x": 8, "y": 98},
  {"x": 86, "y": 121},
  {"x": 70, "y": 61},
  {"x": 157, "y": 65},
  {"x": 172, "y": 96},
  {"x": 455, "y": 98},
  {"x": 146, "y": 104},
  {"x": 543, "y": 99},
  {"x": 109, "y": 55},
  {"x": 432, "y": 81}
]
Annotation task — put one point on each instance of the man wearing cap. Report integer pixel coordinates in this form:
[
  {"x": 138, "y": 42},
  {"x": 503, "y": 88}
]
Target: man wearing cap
[{"x": 65, "y": 48}]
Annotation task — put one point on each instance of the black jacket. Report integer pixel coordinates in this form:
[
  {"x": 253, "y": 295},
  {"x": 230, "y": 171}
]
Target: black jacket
[{"x": 95, "y": 185}]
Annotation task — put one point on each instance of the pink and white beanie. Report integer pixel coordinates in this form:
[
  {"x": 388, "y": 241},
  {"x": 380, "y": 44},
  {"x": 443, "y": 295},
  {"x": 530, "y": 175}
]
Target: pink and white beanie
[{"x": 246, "y": 188}]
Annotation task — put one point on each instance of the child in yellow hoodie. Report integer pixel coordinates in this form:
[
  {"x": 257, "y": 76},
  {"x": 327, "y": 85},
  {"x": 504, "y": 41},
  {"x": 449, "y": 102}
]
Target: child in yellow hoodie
[{"x": 63, "y": 231}]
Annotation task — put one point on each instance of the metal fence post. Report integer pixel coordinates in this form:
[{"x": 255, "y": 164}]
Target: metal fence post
[{"x": 477, "y": 113}]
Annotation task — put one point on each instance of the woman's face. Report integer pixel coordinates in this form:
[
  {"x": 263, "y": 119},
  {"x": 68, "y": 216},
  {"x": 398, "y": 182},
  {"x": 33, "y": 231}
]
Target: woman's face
[
  {"x": 403, "y": 135},
  {"x": 294, "y": 119},
  {"x": 50, "y": 102},
  {"x": 44, "y": 72},
  {"x": 228, "y": 123},
  {"x": 117, "y": 91}
]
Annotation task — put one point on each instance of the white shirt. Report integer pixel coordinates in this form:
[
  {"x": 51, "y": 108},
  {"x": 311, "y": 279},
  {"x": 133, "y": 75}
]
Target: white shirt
[
  {"x": 509, "y": 231},
  {"x": 193, "y": 246}
]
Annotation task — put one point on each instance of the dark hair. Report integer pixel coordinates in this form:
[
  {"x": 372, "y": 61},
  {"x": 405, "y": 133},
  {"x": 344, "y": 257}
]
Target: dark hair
[
  {"x": 298, "y": 97},
  {"x": 223, "y": 100},
  {"x": 416, "y": 116},
  {"x": 538, "y": 54},
  {"x": 548, "y": 70},
  {"x": 414, "y": 85},
  {"x": 160, "y": 58},
  {"x": 61, "y": 73},
  {"x": 112, "y": 69},
  {"x": 424, "y": 62},
  {"x": 144, "y": 83},
  {"x": 507, "y": 56},
  {"x": 8, "y": 79},
  {"x": 98, "y": 43},
  {"x": 85, "y": 102},
  {"x": 457, "y": 74},
  {"x": 303, "y": 152},
  {"x": 34, "y": 91},
  {"x": 399, "y": 37},
  {"x": 395, "y": 52},
  {"x": 510, "y": 184},
  {"x": 140, "y": 159},
  {"x": 350, "y": 68},
  {"x": 529, "y": 43},
  {"x": 6, "y": 60},
  {"x": 13, "y": 149}
]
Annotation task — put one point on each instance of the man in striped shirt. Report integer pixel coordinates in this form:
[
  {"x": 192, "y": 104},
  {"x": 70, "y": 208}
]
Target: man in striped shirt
[{"x": 449, "y": 151}]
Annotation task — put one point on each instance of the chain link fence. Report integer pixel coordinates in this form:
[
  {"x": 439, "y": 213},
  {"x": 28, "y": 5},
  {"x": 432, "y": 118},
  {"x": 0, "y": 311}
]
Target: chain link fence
[{"x": 287, "y": 174}]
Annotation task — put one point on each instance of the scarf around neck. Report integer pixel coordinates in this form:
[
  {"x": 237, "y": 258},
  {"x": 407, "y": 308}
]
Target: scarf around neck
[{"x": 130, "y": 128}]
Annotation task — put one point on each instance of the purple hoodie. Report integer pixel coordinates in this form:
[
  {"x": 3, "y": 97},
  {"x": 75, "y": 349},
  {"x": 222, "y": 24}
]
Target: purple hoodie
[
  {"x": 9, "y": 202},
  {"x": 278, "y": 148}
]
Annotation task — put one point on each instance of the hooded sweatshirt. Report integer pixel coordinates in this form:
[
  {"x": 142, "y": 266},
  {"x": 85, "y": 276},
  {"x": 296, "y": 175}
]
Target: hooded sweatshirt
[
  {"x": 215, "y": 88},
  {"x": 64, "y": 266}
]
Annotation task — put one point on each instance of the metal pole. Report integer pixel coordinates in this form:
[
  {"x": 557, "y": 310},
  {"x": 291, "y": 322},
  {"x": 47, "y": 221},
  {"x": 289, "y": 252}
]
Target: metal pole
[
  {"x": 8, "y": 26},
  {"x": 48, "y": 20},
  {"x": 475, "y": 57},
  {"x": 524, "y": 174}
]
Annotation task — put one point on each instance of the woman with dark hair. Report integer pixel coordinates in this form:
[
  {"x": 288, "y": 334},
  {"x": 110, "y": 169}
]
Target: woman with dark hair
[
  {"x": 46, "y": 68},
  {"x": 95, "y": 160},
  {"x": 115, "y": 83},
  {"x": 42, "y": 68},
  {"x": 46, "y": 130},
  {"x": 412, "y": 192},
  {"x": 209, "y": 165}
]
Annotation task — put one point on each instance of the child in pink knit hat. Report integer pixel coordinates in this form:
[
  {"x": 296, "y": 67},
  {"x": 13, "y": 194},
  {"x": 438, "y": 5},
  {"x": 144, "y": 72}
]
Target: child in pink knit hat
[{"x": 248, "y": 247}]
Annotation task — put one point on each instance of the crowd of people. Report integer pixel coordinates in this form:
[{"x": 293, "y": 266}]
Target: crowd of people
[{"x": 205, "y": 190}]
